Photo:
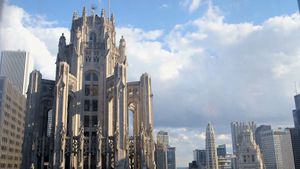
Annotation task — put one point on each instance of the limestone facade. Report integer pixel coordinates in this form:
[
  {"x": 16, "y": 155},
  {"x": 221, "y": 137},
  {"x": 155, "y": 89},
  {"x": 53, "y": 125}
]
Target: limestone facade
[
  {"x": 248, "y": 153},
  {"x": 92, "y": 99}
]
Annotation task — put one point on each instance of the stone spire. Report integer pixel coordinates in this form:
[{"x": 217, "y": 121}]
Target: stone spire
[
  {"x": 211, "y": 151},
  {"x": 84, "y": 12}
]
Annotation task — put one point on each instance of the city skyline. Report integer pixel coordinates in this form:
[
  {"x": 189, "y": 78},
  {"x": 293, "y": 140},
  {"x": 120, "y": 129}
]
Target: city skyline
[{"x": 214, "y": 68}]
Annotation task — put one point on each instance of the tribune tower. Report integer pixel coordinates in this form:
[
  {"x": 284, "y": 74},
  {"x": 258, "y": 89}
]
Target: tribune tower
[{"x": 91, "y": 104}]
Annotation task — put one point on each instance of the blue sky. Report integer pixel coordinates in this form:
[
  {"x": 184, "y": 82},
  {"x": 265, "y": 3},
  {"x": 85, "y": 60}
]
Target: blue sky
[
  {"x": 220, "y": 61},
  {"x": 162, "y": 14}
]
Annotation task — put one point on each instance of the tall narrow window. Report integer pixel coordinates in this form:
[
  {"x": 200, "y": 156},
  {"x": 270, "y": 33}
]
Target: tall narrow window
[
  {"x": 86, "y": 121},
  {"x": 92, "y": 40},
  {"x": 95, "y": 105},
  {"x": 86, "y": 105},
  {"x": 94, "y": 121}
]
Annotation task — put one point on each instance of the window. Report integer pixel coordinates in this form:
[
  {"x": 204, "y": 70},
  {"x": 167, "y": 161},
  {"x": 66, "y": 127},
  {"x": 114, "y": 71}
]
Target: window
[
  {"x": 95, "y": 105},
  {"x": 92, "y": 39},
  {"x": 245, "y": 158},
  {"x": 86, "y": 105},
  {"x": 88, "y": 77},
  {"x": 94, "y": 121},
  {"x": 87, "y": 90},
  {"x": 86, "y": 121},
  {"x": 94, "y": 91},
  {"x": 95, "y": 77},
  {"x": 253, "y": 158}
]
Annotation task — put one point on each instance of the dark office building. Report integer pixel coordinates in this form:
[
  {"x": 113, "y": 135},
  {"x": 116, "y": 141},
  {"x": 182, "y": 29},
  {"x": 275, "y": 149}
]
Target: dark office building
[
  {"x": 296, "y": 112},
  {"x": 295, "y": 137},
  {"x": 221, "y": 150},
  {"x": 200, "y": 157}
]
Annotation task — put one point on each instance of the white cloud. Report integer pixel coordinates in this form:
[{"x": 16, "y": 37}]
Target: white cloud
[
  {"x": 21, "y": 31},
  {"x": 191, "y": 5}
]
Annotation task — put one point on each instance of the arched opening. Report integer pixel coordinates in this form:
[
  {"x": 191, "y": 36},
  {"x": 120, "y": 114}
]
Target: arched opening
[{"x": 130, "y": 123}]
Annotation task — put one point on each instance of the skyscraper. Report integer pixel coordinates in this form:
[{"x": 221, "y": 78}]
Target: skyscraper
[
  {"x": 16, "y": 65},
  {"x": 161, "y": 153},
  {"x": 295, "y": 138},
  {"x": 296, "y": 112},
  {"x": 295, "y": 132},
  {"x": 236, "y": 130},
  {"x": 12, "y": 114},
  {"x": 276, "y": 147},
  {"x": 259, "y": 131},
  {"x": 171, "y": 157},
  {"x": 248, "y": 153},
  {"x": 211, "y": 151},
  {"x": 200, "y": 157},
  {"x": 298, "y": 5},
  {"x": 92, "y": 100},
  {"x": 221, "y": 150},
  {"x": 163, "y": 138}
]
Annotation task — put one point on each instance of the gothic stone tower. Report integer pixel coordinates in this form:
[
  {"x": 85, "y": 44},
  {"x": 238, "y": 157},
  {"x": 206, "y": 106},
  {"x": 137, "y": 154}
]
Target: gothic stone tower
[{"x": 92, "y": 100}]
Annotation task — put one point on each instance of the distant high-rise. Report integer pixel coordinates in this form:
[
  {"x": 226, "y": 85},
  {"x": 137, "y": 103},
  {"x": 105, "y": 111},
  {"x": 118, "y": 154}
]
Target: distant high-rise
[
  {"x": 171, "y": 158},
  {"x": 161, "y": 156},
  {"x": 248, "y": 153},
  {"x": 16, "y": 65},
  {"x": 295, "y": 137},
  {"x": 296, "y": 112},
  {"x": 276, "y": 147},
  {"x": 163, "y": 138},
  {"x": 295, "y": 132},
  {"x": 221, "y": 150},
  {"x": 200, "y": 157},
  {"x": 299, "y": 5},
  {"x": 236, "y": 129},
  {"x": 12, "y": 114},
  {"x": 211, "y": 151},
  {"x": 259, "y": 131}
]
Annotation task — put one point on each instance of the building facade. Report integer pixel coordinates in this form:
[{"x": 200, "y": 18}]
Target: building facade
[
  {"x": 221, "y": 150},
  {"x": 211, "y": 151},
  {"x": 163, "y": 138},
  {"x": 258, "y": 132},
  {"x": 224, "y": 162},
  {"x": 38, "y": 141},
  {"x": 12, "y": 117},
  {"x": 171, "y": 157},
  {"x": 200, "y": 157},
  {"x": 161, "y": 153},
  {"x": 296, "y": 112},
  {"x": 92, "y": 99},
  {"x": 276, "y": 147},
  {"x": 248, "y": 154},
  {"x": 16, "y": 65},
  {"x": 295, "y": 138},
  {"x": 236, "y": 130}
]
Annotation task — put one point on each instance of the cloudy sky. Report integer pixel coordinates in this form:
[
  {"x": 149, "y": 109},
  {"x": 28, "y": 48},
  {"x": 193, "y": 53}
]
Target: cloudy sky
[{"x": 210, "y": 60}]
